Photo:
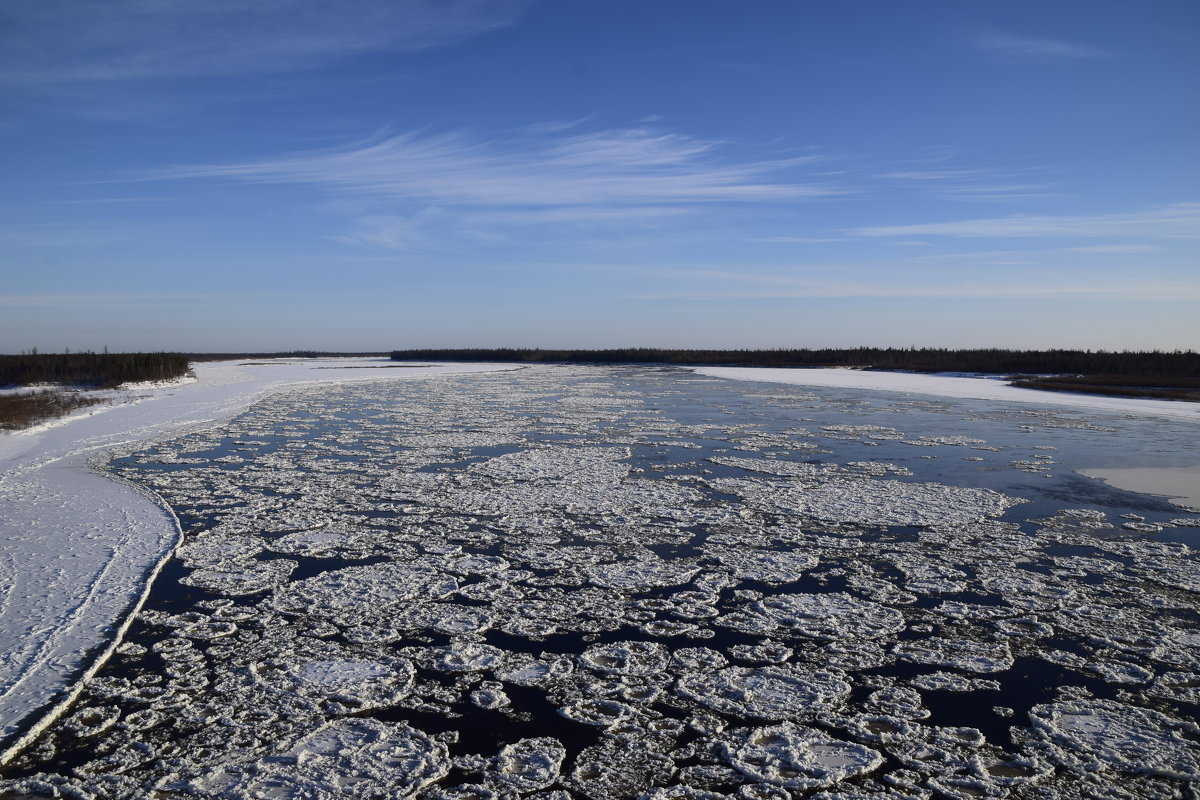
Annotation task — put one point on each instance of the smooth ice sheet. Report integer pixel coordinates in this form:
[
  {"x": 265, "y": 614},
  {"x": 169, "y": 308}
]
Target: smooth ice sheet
[
  {"x": 1180, "y": 484},
  {"x": 977, "y": 388}
]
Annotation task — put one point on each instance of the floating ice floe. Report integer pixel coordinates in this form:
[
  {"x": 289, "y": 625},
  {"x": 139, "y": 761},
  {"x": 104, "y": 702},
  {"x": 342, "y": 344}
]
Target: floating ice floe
[
  {"x": 238, "y": 578},
  {"x": 590, "y": 465},
  {"x": 968, "y": 655},
  {"x": 776, "y": 692},
  {"x": 213, "y": 550},
  {"x": 354, "y": 758},
  {"x": 798, "y": 758},
  {"x": 320, "y": 543},
  {"x": 1104, "y": 734},
  {"x": 355, "y": 591},
  {"x": 766, "y": 566},
  {"x": 465, "y": 656},
  {"x": 529, "y": 764},
  {"x": 873, "y": 502},
  {"x": 353, "y": 684},
  {"x": 833, "y": 616},
  {"x": 642, "y": 575},
  {"x": 626, "y": 658}
]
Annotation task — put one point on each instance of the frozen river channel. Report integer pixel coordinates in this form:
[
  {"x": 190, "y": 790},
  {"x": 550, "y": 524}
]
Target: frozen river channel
[{"x": 644, "y": 582}]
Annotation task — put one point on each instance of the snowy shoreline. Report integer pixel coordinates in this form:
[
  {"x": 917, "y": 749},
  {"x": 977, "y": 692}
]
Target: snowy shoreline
[
  {"x": 967, "y": 388},
  {"x": 65, "y": 599}
]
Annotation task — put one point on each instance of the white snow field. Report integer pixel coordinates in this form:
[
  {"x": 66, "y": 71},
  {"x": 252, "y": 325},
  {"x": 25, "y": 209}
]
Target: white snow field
[
  {"x": 971, "y": 388},
  {"x": 77, "y": 548}
]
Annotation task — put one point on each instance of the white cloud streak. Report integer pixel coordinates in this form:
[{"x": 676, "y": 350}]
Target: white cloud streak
[
  {"x": 50, "y": 41},
  {"x": 1126, "y": 291},
  {"x": 1036, "y": 48},
  {"x": 834, "y": 280},
  {"x": 968, "y": 184},
  {"x": 1115, "y": 248},
  {"x": 798, "y": 239},
  {"x": 1180, "y": 220},
  {"x": 613, "y": 167}
]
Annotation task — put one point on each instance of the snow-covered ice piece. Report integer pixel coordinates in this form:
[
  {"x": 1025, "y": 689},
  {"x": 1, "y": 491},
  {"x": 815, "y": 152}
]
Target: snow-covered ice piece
[
  {"x": 797, "y": 757},
  {"x": 352, "y": 758},
  {"x": 561, "y": 464},
  {"x": 626, "y": 658},
  {"x": 833, "y": 616},
  {"x": 775, "y": 692},
  {"x": 642, "y": 575},
  {"x": 363, "y": 589},
  {"x": 969, "y": 655},
  {"x": 529, "y": 764},
  {"x": 524, "y": 670},
  {"x": 238, "y": 578},
  {"x": 765, "y": 566},
  {"x": 597, "y": 711},
  {"x": 209, "y": 551},
  {"x": 465, "y": 656},
  {"x": 1104, "y": 734},
  {"x": 873, "y": 502},
  {"x": 353, "y": 684}
]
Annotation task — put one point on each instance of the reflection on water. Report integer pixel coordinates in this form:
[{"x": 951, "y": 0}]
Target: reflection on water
[{"x": 628, "y": 582}]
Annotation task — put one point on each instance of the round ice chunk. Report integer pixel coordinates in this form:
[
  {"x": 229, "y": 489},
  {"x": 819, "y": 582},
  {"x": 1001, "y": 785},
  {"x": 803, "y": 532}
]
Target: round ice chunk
[
  {"x": 642, "y": 575},
  {"x": 238, "y": 578},
  {"x": 799, "y": 758},
  {"x": 627, "y": 658},
  {"x": 350, "y": 758},
  {"x": 1104, "y": 733},
  {"x": 786, "y": 691},
  {"x": 353, "y": 683},
  {"x": 377, "y": 587},
  {"x": 834, "y": 616},
  {"x": 767, "y": 566},
  {"x": 559, "y": 464},
  {"x": 530, "y": 764}
]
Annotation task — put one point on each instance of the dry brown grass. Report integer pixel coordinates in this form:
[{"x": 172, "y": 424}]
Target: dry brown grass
[{"x": 22, "y": 410}]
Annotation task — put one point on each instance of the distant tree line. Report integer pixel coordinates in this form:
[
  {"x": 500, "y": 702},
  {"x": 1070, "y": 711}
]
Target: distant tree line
[
  {"x": 1160, "y": 387},
  {"x": 90, "y": 369},
  {"x": 1178, "y": 364},
  {"x": 289, "y": 354}
]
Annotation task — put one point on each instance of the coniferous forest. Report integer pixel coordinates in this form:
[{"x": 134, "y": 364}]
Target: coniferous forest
[
  {"x": 83, "y": 370},
  {"x": 1152, "y": 374},
  {"x": 92, "y": 370},
  {"x": 1177, "y": 364}
]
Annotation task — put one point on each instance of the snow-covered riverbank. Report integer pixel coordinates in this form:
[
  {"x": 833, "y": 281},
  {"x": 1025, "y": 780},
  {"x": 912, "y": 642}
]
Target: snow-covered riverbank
[
  {"x": 76, "y": 547},
  {"x": 975, "y": 388}
]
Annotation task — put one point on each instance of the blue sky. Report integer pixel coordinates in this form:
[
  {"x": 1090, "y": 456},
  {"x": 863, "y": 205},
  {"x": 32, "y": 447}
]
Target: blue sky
[{"x": 290, "y": 174}]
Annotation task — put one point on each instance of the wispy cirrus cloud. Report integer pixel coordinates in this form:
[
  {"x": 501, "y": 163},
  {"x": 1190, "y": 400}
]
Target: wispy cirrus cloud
[
  {"x": 969, "y": 183},
  {"x": 1143, "y": 290},
  {"x": 798, "y": 239},
  {"x": 625, "y": 167},
  {"x": 1115, "y": 248},
  {"x": 1036, "y": 48},
  {"x": 51, "y": 41},
  {"x": 1180, "y": 220}
]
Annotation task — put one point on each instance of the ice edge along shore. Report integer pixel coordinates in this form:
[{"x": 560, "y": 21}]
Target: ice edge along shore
[{"x": 79, "y": 549}]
